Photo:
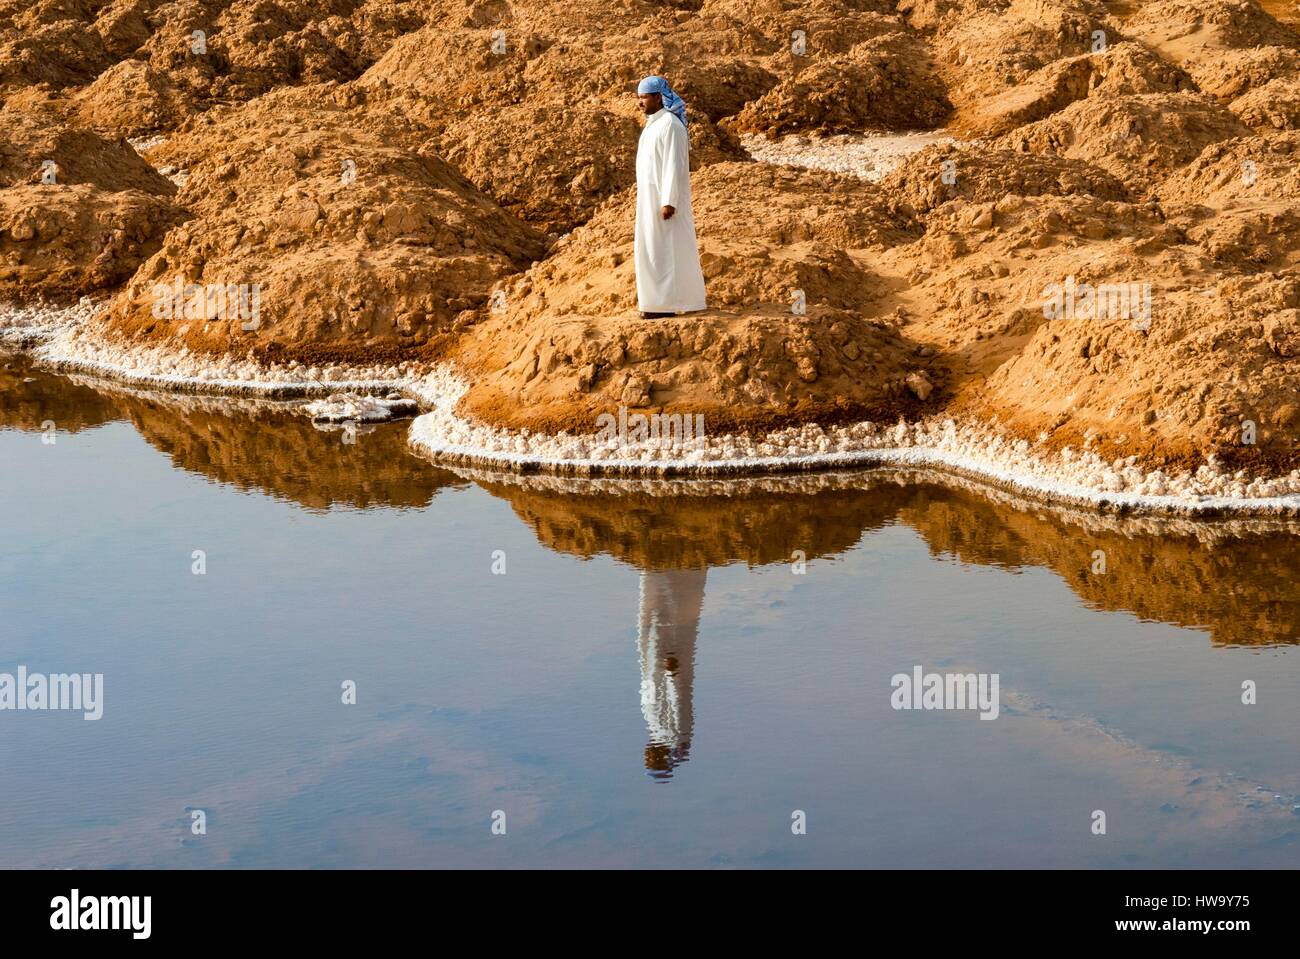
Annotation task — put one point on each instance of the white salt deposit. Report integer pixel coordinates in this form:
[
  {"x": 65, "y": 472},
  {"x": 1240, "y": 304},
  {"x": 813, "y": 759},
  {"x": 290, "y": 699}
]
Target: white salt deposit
[
  {"x": 869, "y": 157},
  {"x": 187, "y": 404},
  {"x": 30, "y": 324},
  {"x": 978, "y": 452},
  {"x": 64, "y": 339},
  {"x": 142, "y": 145},
  {"x": 355, "y": 408},
  {"x": 145, "y": 144}
]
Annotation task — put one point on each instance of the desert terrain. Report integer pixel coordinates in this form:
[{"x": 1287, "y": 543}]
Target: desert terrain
[{"x": 1065, "y": 224}]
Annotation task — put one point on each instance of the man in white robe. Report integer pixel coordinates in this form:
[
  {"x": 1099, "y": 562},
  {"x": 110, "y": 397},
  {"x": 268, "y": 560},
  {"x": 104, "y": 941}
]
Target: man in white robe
[{"x": 667, "y": 258}]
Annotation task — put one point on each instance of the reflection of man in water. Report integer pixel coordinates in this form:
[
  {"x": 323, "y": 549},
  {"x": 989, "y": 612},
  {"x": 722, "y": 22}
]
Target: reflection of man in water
[{"x": 671, "y": 602}]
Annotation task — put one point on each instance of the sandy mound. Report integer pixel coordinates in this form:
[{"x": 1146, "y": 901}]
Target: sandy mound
[
  {"x": 78, "y": 213},
  {"x": 977, "y": 309},
  {"x": 1239, "y": 173},
  {"x": 553, "y": 167},
  {"x": 1183, "y": 390},
  {"x": 1252, "y": 239},
  {"x": 979, "y": 174},
  {"x": 131, "y": 98},
  {"x": 1232, "y": 73},
  {"x": 1224, "y": 342},
  {"x": 546, "y": 122},
  {"x": 547, "y": 166},
  {"x": 1275, "y": 105},
  {"x": 46, "y": 43},
  {"x": 263, "y": 47},
  {"x": 1137, "y": 138},
  {"x": 1283, "y": 11},
  {"x": 1069, "y": 377},
  {"x": 437, "y": 75},
  {"x": 64, "y": 241},
  {"x": 351, "y": 268},
  {"x": 1238, "y": 201},
  {"x": 1184, "y": 30},
  {"x": 150, "y": 72},
  {"x": 570, "y": 345},
  {"x": 32, "y": 137},
  {"x": 886, "y": 83},
  {"x": 1121, "y": 70},
  {"x": 735, "y": 371},
  {"x": 553, "y": 55},
  {"x": 986, "y": 48},
  {"x": 788, "y": 37},
  {"x": 763, "y": 231}
]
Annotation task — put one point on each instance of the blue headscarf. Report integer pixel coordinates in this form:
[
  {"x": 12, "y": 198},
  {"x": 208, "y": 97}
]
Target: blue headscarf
[{"x": 672, "y": 102}]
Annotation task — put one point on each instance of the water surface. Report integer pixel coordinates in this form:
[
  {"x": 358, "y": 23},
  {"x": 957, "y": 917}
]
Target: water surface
[{"x": 651, "y": 682}]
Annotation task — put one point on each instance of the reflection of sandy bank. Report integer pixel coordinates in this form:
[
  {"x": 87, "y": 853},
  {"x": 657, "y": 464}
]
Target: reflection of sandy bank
[
  {"x": 249, "y": 444},
  {"x": 683, "y": 525},
  {"x": 269, "y": 447},
  {"x": 1239, "y": 587},
  {"x": 1234, "y": 578},
  {"x": 29, "y": 398}
]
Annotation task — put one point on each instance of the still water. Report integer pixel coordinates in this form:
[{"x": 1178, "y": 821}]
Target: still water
[{"x": 615, "y": 674}]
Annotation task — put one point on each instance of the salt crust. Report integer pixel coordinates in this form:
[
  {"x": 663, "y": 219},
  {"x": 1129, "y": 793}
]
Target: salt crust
[{"x": 871, "y": 157}]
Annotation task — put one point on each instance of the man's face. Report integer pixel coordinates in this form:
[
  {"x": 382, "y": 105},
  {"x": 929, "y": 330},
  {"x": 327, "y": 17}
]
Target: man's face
[{"x": 650, "y": 102}]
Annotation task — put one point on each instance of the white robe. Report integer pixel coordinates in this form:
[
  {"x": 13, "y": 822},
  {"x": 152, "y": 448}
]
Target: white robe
[{"x": 668, "y": 276}]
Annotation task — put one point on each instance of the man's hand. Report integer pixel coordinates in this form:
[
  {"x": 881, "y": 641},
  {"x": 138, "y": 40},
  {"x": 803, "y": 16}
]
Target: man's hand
[{"x": 668, "y": 212}]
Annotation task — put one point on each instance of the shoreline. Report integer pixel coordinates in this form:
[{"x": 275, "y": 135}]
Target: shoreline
[
  {"x": 897, "y": 459},
  {"x": 940, "y": 445},
  {"x": 1088, "y": 520}
]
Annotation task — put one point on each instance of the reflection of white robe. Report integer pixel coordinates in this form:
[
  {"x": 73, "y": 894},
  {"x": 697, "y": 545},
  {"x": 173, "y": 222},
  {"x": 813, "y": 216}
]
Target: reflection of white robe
[
  {"x": 671, "y": 603},
  {"x": 668, "y": 276}
]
